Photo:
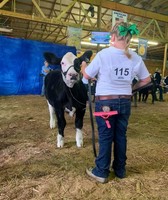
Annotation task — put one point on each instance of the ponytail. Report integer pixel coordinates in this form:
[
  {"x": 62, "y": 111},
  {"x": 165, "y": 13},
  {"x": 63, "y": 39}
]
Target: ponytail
[{"x": 126, "y": 52}]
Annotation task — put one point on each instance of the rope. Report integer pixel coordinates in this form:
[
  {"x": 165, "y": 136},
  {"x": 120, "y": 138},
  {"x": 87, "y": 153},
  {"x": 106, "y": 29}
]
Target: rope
[
  {"x": 91, "y": 119},
  {"x": 76, "y": 99}
]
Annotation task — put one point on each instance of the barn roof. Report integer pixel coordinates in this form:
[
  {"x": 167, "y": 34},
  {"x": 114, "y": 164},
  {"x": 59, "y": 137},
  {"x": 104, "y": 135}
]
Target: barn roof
[{"x": 47, "y": 20}]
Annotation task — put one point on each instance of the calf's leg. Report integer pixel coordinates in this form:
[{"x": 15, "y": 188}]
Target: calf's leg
[
  {"x": 52, "y": 116},
  {"x": 60, "y": 141},
  {"x": 60, "y": 122},
  {"x": 79, "y": 124},
  {"x": 61, "y": 126},
  {"x": 79, "y": 138}
]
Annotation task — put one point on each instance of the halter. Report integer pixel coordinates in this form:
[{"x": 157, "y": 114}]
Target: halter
[{"x": 65, "y": 73}]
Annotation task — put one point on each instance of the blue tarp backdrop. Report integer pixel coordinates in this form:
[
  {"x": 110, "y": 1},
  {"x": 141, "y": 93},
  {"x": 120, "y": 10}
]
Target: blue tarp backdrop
[{"x": 21, "y": 62}]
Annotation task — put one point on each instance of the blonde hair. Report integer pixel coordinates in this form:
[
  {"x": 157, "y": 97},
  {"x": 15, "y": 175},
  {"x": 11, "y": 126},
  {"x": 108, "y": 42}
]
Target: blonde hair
[{"x": 125, "y": 38}]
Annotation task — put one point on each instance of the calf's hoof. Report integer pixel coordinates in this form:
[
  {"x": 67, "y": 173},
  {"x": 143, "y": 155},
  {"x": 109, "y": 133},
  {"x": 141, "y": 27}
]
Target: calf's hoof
[
  {"x": 60, "y": 141},
  {"x": 79, "y": 138}
]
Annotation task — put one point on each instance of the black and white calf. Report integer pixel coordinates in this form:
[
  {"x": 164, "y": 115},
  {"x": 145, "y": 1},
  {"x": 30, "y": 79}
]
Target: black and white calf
[
  {"x": 65, "y": 91},
  {"x": 144, "y": 93}
]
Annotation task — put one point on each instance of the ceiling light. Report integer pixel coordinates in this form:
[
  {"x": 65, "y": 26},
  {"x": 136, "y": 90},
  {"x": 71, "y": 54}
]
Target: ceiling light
[
  {"x": 133, "y": 49},
  {"x": 135, "y": 40},
  {"x": 88, "y": 43},
  {"x": 153, "y": 43},
  {"x": 93, "y": 44},
  {"x": 7, "y": 30}
]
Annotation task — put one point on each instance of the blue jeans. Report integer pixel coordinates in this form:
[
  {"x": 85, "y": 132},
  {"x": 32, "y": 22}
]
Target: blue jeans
[{"x": 116, "y": 134}]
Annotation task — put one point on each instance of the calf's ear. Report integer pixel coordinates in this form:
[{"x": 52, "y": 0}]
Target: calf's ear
[
  {"x": 85, "y": 57},
  {"x": 52, "y": 58}
]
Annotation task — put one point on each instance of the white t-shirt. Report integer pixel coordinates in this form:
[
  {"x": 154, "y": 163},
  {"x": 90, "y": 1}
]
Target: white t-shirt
[
  {"x": 115, "y": 72},
  {"x": 84, "y": 80}
]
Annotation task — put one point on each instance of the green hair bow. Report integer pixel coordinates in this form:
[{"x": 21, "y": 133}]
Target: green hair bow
[{"x": 132, "y": 29}]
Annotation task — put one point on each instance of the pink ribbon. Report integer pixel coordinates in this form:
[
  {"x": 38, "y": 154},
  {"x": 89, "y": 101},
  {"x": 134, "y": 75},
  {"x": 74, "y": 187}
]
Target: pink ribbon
[{"x": 105, "y": 116}]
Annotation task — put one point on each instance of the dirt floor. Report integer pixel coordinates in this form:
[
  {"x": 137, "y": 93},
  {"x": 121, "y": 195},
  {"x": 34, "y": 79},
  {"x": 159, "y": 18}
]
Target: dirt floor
[{"x": 31, "y": 167}]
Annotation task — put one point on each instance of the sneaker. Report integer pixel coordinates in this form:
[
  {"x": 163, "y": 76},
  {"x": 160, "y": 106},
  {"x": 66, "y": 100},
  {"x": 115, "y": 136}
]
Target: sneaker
[
  {"x": 120, "y": 176},
  {"x": 96, "y": 178}
]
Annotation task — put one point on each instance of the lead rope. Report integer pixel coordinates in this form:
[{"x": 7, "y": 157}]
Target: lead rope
[
  {"x": 91, "y": 118},
  {"x": 75, "y": 98}
]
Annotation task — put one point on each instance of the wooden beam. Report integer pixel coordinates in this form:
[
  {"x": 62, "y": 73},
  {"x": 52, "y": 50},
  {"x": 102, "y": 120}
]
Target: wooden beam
[
  {"x": 99, "y": 14},
  {"x": 133, "y": 2},
  {"x": 57, "y": 22},
  {"x": 27, "y": 36},
  {"x": 159, "y": 29},
  {"x": 127, "y": 9},
  {"x": 141, "y": 33},
  {"x": 38, "y": 8},
  {"x": 67, "y": 15},
  {"x": 86, "y": 14},
  {"x": 166, "y": 31},
  {"x": 3, "y": 3},
  {"x": 65, "y": 10},
  {"x": 156, "y": 3},
  {"x": 46, "y": 20},
  {"x": 14, "y": 5},
  {"x": 165, "y": 59},
  {"x": 51, "y": 11}
]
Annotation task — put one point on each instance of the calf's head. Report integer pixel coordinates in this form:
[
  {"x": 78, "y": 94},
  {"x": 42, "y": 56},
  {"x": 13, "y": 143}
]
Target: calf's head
[
  {"x": 70, "y": 65},
  {"x": 69, "y": 74}
]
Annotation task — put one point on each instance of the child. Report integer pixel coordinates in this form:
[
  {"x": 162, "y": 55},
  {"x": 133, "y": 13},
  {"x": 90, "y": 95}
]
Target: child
[{"x": 45, "y": 70}]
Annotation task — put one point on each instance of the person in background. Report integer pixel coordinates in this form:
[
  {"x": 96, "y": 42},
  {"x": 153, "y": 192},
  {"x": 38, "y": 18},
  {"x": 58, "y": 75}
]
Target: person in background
[
  {"x": 158, "y": 81},
  {"x": 55, "y": 67},
  {"x": 44, "y": 71},
  {"x": 165, "y": 82},
  {"x": 115, "y": 67}
]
